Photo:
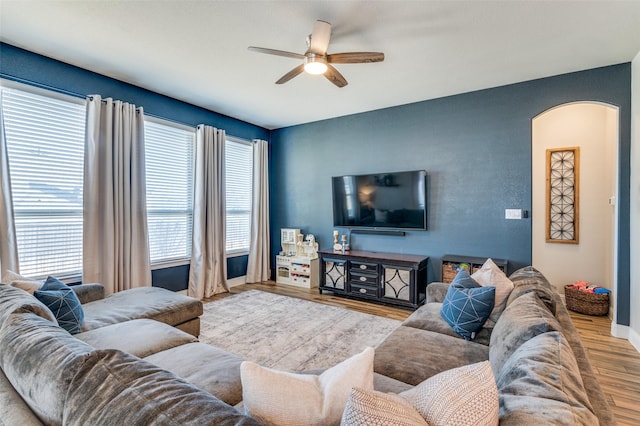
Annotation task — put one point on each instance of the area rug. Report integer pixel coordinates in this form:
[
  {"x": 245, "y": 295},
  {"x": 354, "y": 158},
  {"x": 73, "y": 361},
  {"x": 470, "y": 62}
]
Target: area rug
[{"x": 288, "y": 333}]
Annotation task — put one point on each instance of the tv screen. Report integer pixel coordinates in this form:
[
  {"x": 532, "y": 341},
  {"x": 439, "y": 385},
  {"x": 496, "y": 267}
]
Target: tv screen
[{"x": 384, "y": 200}]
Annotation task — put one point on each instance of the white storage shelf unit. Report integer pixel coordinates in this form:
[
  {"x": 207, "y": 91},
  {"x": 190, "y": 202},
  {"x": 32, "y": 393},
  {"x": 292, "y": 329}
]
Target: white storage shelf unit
[{"x": 297, "y": 271}]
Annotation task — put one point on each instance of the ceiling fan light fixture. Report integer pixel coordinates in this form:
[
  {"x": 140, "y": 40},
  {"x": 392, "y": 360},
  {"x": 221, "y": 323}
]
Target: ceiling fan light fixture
[{"x": 315, "y": 64}]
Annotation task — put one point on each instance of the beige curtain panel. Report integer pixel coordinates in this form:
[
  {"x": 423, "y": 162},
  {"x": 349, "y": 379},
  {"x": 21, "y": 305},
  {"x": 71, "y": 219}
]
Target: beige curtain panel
[
  {"x": 8, "y": 242},
  {"x": 115, "y": 248},
  {"x": 208, "y": 272},
  {"x": 259, "y": 263}
]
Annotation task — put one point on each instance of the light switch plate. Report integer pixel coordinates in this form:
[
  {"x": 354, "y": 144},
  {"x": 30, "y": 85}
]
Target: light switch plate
[{"x": 513, "y": 213}]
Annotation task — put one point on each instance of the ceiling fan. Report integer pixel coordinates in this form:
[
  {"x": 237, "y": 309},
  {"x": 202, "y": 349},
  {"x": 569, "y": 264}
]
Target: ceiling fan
[{"x": 317, "y": 60}]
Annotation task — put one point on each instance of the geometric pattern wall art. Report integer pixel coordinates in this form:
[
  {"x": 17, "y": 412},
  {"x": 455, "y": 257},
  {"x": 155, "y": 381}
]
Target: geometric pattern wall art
[{"x": 563, "y": 195}]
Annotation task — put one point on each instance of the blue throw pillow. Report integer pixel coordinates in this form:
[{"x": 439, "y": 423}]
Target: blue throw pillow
[
  {"x": 467, "y": 305},
  {"x": 63, "y": 302}
]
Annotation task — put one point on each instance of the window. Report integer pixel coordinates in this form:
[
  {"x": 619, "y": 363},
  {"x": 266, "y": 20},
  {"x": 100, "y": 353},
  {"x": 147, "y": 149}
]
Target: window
[
  {"x": 45, "y": 143},
  {"x": 169, "y": 151},
  {"x": 239, "y": 183}
]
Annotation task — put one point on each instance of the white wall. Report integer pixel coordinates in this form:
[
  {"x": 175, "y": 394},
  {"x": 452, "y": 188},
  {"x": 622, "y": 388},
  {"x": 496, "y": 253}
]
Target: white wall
[
  {"x": 594, "y": 128},
  {"x": 634, "y": 335}
]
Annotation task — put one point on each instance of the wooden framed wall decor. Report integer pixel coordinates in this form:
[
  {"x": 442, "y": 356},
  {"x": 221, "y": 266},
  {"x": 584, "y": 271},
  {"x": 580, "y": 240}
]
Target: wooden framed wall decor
[{"x": 563, "y": 195}]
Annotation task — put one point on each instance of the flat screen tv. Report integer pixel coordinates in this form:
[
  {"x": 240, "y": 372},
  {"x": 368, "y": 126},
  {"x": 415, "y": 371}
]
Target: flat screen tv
[{"x": 394, "y": 200}]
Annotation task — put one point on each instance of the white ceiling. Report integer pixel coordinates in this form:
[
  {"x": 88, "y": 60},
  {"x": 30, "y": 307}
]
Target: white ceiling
[{"x": 196, "y": 51}]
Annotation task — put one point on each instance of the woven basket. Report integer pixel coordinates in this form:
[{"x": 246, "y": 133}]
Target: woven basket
[
  {"x": 586, "y": 303},
  {"x": 450, "y": 270}
]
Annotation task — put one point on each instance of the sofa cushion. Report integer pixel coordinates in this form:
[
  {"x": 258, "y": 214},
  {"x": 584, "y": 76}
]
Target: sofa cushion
[
  {"x": 529, "y": 279},
  {"x": 88, "y": 292},
  {"x": 541, "y": 384},
  {"x": 467, "y": 305},
  {"x": 207, "y": 367},
  {"x": 145, "y": 302},
  {"x": 490, "y": 275},
  {"x": 461, "y": 396},
  {"x": 383, "y": 383},
  {"x": 135, "y": 392},
  {"x": 281, "y": 398},
  {"x": 27, "y": 284},
  {"x": 63, "y": 302},
  {"x": 13, "y": 409},
  {"x": 368, "y": 407},
  {"x": 141, "y": 337},
  {"x": 427, "y": 317},
  {"x": 522, "y": 320},
  {"x": 40, "y": 359},
  {"x": 13, "y": 299},
  {"x": 412, "y": 355}
]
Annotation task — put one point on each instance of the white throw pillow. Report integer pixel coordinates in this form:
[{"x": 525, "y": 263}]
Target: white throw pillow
[
  {"x": 282, "y": 398},
  {"x": 20, "y": 281},
  {"x": 464, "y": 396},
  {"x": 491, "y": 275},
  {"x": 369, "y": 407}
]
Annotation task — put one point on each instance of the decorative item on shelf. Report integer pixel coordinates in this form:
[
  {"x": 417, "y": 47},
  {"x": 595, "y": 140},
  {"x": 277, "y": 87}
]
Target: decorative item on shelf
[
  {"x": 310, "y": 247},
  {"x": 289, "y": 238},
  {"x": 299, "y": 245},
  {"x": 336, "y": 245}
]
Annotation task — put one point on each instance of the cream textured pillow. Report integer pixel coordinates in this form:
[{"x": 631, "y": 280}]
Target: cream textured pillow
[
  {"x": 281, "y": 398},
  {"x": 461, "y": 396},
  {"x": 491, "y": 275},
  {"x": 20, "y": 281},
  {"x": 369, "y": 407}
]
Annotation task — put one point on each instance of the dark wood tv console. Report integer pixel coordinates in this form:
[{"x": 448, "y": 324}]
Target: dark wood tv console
[{"x": 389, "y": 278}]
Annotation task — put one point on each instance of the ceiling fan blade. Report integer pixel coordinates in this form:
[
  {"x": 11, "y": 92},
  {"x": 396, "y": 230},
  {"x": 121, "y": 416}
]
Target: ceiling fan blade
[
  {"x": 288, "y": 76},
  {"x": 276, "y": 52},
  {"x": 335, "y": 77},
  {"x": 320, "y": 38},
  {"x": 355, "y": 57}
]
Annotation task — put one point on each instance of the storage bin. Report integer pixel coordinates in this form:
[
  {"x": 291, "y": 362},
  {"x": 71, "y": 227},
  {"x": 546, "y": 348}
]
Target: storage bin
[{"x": 586, "y": 303}]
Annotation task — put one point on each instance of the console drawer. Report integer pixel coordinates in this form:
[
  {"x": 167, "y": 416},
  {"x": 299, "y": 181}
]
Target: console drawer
[
  {"x": 361, "y": 279},
  {"x": 364, "y": 290},
  {"x": 366, "y": 267}
]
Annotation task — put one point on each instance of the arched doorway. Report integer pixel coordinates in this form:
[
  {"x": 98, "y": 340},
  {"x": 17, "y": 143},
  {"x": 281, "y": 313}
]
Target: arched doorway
[{"x": 593, "y": 127}]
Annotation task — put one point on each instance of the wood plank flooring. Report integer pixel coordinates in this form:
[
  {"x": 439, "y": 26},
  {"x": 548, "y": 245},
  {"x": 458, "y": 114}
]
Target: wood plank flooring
[{"x": 615, "y": 361}]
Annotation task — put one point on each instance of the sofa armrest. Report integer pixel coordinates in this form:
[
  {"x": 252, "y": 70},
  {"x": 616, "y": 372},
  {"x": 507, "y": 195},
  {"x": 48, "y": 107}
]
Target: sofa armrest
[
  {"x": 436, "y": 292},
  {"x": 89, "y": 292}
]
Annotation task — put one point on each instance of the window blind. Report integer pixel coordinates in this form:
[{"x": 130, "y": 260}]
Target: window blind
[
  {"x": 45, "y": 144},
  {"x": 239, "y": 188},
  {"x": 169, "y": 151}
]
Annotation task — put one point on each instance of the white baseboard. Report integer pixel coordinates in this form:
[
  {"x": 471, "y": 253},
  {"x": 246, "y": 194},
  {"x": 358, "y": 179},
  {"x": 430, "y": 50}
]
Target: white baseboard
[
  {"x": 634, "y": 338},
  {"x": 234, "y": 282},
  {"x": 620, "y": 331}
]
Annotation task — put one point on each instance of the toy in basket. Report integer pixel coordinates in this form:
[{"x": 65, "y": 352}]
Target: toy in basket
[{"x": 587, "y": 298}]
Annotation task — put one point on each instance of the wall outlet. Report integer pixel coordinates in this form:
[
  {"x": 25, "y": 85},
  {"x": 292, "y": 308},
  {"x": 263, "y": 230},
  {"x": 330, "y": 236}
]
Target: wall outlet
[{"x": 513, "y": 213}]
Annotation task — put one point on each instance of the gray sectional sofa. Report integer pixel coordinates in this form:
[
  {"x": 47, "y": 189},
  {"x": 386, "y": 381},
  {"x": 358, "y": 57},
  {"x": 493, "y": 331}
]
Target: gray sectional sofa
[
  {"x": 541, "y": 368},
  {"x": 133, "y": 363}
]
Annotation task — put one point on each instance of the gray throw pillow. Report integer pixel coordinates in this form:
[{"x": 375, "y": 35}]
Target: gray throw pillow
[
  {"x": 524, "y": 319},
  {"x": 116, "y": 388},
  {"x": 40, "y": 359},
  {"x": 541, "y": 384},
  {"x": 529, "y": 279}
]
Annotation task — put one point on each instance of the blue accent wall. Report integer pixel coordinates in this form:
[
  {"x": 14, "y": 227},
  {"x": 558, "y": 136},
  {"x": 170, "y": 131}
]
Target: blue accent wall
[
  {"x": 31, "y": 68},
  {"x": 476, "y": 148}
]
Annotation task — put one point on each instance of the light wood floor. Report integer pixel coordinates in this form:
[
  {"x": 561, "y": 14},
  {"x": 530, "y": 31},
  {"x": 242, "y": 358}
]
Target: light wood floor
[{"x": 615, "y": 361}]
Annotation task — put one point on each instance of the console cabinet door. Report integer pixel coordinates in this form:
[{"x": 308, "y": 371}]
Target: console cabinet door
[
  {"x": 397, "y": 283},
  {"x": 334, "y": 273}
]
